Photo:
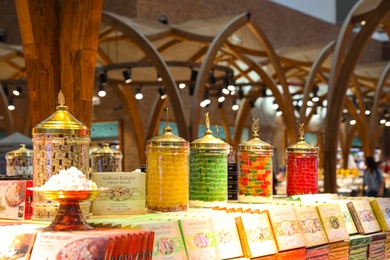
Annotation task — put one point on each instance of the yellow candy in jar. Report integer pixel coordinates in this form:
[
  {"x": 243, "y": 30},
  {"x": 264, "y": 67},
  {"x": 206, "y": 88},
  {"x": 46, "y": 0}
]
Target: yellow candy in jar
[{"x": 167, "y": 173}]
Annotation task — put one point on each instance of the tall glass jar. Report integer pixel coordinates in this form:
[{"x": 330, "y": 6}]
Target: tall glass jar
[
  {"x": 106, "y": 160},
  {"x": 302, "y": 167},
  {"x": 167, "y": 172},
  {"x": 255, "y": 169},
  {"x": 59, "y": 142},
  {"x": 208, "y": 170},
  {"x": 20, "y": 162}
]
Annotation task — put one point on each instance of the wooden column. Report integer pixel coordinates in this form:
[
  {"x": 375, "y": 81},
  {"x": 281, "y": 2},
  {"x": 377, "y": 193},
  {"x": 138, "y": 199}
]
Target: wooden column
[{"x": 60, "y": 40}]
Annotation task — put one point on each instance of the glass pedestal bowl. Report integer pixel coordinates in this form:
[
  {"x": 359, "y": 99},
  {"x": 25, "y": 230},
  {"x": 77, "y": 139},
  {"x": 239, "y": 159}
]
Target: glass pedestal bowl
[{"x": 69, "y": 216}]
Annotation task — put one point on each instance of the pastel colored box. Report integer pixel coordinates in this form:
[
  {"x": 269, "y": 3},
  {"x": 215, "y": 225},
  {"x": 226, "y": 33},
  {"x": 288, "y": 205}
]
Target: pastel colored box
[
  {"x": 15, "y": 199},
  {"x": 126, "y": 194}
]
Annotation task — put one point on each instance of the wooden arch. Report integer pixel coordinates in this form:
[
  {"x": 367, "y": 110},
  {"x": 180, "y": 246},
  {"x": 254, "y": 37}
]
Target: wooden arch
[
  {"x": 120, "y": 24},
  {"x": 207, "y": 63},
  {"x": 344, "y": 61},
  {"x": 375, "y": 130}
]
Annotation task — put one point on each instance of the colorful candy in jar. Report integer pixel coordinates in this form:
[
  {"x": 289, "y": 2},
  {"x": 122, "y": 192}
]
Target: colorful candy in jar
[
  {"x": 255, "y": 169},
  {"x": 302, "y": 167},
  {"x": 208, "y": 170},
  {"x": 167, "y": 180}
]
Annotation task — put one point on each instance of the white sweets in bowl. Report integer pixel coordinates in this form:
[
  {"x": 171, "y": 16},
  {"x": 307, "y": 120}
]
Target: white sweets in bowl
[{"x": 70, "y": 179}]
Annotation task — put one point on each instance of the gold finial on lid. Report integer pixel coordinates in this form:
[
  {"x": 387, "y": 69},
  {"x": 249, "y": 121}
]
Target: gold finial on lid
[
  {"x": 217, "y": 131},
  {"x": 167, "y": 110},
  {"x": 208, "y": 131},
  {"x": 301, "y": 132},
  {"x": 255, "y": 127},
  {"x": 61, "y": 99},
  {"x": 167, "y": 128}
]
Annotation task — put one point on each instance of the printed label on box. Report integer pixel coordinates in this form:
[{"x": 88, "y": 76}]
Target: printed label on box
[
  {"x": 15, "y": 199},
  {"x": 125, "y": 196}
]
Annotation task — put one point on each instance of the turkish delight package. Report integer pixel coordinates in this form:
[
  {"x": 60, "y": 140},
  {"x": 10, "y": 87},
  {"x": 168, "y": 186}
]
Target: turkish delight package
[
  {"x": 333, "y": 222},
  {"x": 381, "y": 208},
  {"x": 126, "y": 194},
  {"x": 286, "y": 228},
  {"x": 257, "y": 238},
  {"x": 227, "y": 235},
  {"x": 363, "y": 216},
  {"x": 311, "y": 226},
  {"x": 200, "y": 238},
  {"x": 16, "y": 199},
  {"x": 66, "y": 245},
  {"x": 168, "y": 241}
]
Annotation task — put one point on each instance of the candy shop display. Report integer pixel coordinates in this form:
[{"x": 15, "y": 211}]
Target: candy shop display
[
  {"x": 255, "y": 169},
  {"x": 59, "y": 142},
  {"x": 167, "y": 172},
  {"x": 208, "y": 170},
  {"x": 20, "y": 162},
  {"x": 106, "y": 160},
  {"x": 301, "y": 167}
]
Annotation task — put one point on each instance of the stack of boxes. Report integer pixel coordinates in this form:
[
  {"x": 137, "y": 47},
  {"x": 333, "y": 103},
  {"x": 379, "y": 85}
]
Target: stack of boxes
[
  {"x": 232, "y": 180},
  {"x": 377, "y": 249},
  {"x": 358, "y": 246}
]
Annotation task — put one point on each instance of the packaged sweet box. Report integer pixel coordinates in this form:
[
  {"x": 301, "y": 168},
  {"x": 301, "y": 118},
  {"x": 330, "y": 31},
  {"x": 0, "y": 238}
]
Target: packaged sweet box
[
  {"x": 126, "y": 193},
  {"x": 15, "y": 199}
]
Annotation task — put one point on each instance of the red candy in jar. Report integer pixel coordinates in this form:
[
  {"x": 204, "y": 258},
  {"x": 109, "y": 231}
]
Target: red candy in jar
[{"x": 302, "y": 167}]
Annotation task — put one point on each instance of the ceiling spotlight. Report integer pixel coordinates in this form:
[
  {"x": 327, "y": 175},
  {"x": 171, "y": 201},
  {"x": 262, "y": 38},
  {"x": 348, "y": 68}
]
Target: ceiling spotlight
[
  {"x": 163, "y": 94},
  {"x": 17, "y": 91},
  {"x": 221, "y": 98},
  {"x": 102, "y": 92},
  {"x": 387, "y": 123},
  {"x": 206, "y": 98},
  {"x": 263, "y": 90},
  {"x": 225, "y": 91},
  {"x": 352, "y": 122},
  {"x": 240, "y": 93},
  {"x": 367, "y": 112},
  {"x": 212, "y": 79},
  {"x": 11, "y": 105},
  {"x": 5, "y": 89},
  {"x": 194, "y": 74},
  {"x": 315, "y": 97},
  {"x": 279, "y": 113},
  {"x": 310, "y": 103},
  {"x": 235, "y": 106},
  {"x": 138, "y": 94},
  {"x": 103, "y": 78},
  {"x": 275, "y": 105},
  {"x": 182, "y": 85},
  {"x": 382, "y": 121},
  {"x": 231, "y": 87},
  {"x": 127, "y": 75},
  {"x": 159, "y": 78}
]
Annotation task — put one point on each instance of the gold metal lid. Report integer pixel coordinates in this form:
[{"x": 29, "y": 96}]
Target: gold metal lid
[
  {"x": 208, "y": 141},
  {"x": 167, "y": 139},
  {"x": 61, "y": 122},
  {"x": 302, "y": 146},
  {"x": 21, "y": 152},
  {"x": 255, "y": 144},
  {"x": 107, "y": 151}
]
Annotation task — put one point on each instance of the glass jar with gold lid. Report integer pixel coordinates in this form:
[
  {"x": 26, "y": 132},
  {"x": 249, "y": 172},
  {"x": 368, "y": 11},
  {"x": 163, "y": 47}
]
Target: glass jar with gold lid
[
  {"x": 255, "y": 168},
  {"x": 20, "y": 162},
  {"x": 301, "y": 167},
  {"x": 59, "y": 142},
  {"x": 106, "y": 159},
  {"x": 208, "y": 170},
  {"x": 167, "y": 172}
]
